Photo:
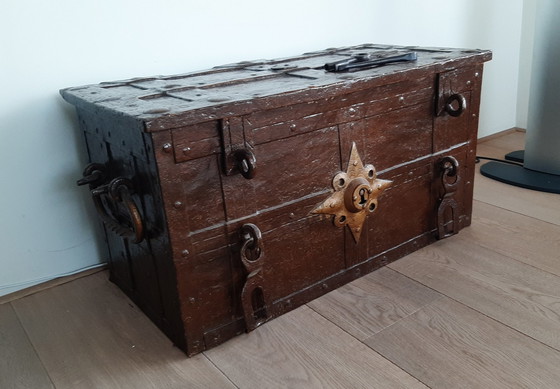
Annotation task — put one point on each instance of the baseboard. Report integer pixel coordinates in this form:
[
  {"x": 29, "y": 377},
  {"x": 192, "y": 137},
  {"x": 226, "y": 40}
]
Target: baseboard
[
  {"x": 500, "y": 134},
  {"x": 48, "y": 284}
]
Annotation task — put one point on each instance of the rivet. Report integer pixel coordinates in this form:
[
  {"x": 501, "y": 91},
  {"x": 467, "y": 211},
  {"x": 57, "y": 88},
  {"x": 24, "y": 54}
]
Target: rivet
[
  {"x": 474, "y": 115},
  {"x": 178, "y": 204},
  {"x": 185, "y": 253},
  {"x": 357, "y": 229},
  {"x": 167, "y": 147},
  {"x": 292, "y": 215},
  {"x": 293, "y": 127},
  {"x": 354, "y": 198},
  {"x": 325, "y": 286},
  {"x": 378, "y": 186},
  {"x": 352, "y": 111},
  {"x": 477, "y": 74},
  {"x": 370, "y": 190},
  {"x": 401, "y": 99},
  {"x": 355, "y": 163},
  {"x": 186, "y": 150},
  {"x": 469, "y": 82},
  {"x": 333, "y": 204},
  {"x": 191, "y": 300}
]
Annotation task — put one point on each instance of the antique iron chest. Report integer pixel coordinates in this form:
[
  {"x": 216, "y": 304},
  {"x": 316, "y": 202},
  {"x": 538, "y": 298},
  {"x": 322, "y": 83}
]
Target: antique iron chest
[{"x": 232, "y": 195}]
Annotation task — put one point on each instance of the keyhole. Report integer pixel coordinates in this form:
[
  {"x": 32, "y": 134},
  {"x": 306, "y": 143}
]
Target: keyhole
[{"x": 363, "y": 198}]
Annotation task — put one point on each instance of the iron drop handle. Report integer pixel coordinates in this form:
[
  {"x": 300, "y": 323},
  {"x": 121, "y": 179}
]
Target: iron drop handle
[{"x": 118, "y": 193}]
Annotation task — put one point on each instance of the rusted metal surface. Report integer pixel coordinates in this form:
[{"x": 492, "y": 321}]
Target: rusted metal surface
[
  {"x": 234, "y": 170},
  {"x": 115, "y": 195},
  {"x": 355, "y": 196},
  {"x": 448, "y": 213},
  {"x": 254, "y": 299}
]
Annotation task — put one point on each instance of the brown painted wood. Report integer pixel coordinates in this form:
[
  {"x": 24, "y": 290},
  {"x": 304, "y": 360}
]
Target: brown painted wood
[{"x": 185, "y": 140}]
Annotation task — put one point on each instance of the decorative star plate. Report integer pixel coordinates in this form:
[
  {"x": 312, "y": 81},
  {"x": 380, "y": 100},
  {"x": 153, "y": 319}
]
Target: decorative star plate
[{"x": 355, "y": 195}]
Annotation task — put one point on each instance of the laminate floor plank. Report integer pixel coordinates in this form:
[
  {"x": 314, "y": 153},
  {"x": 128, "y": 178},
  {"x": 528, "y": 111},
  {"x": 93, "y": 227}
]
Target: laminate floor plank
[
  {"x": 301, "y": 349},
  {"x": 373, "y": 302},
  {"x": 511, "y": 141},
  {"x": 89, "y": 335},
  {"x": 448, "y": 345},
  {"x": 514, "y": 293},
  {"x": 524, "y": 238},
  {"x": 20, "y": 367},
  {"x": 539, "y": 205}
]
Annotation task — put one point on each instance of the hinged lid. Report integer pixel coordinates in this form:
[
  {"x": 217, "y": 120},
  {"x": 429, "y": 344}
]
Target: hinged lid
[{"x": 164, "y": 102}]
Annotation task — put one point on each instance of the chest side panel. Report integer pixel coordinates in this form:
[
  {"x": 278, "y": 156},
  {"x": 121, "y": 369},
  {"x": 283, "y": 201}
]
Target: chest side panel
[{"x": 143, "y": 270}]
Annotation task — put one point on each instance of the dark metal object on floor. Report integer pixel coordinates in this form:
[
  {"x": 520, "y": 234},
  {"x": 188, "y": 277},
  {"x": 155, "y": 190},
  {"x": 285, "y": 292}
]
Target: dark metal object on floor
[
  {"x": 516, "y": 156},
  {"x": 520, "y": 176}
]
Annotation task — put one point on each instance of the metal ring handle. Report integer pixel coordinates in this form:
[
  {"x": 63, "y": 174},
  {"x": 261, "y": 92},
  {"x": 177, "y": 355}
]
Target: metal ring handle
[
  {"x": 461, "y": 102},
  {"x": 119, "y": 191},
  {"x": 252, "y": 248},
  {"x": 246, "y": 163},
  {"x": 450, "y": 168},
  {"x": 94, "y": 175}
]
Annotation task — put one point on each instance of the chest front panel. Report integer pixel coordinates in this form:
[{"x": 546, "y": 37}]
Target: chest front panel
[{"x": 260, "y": 204}]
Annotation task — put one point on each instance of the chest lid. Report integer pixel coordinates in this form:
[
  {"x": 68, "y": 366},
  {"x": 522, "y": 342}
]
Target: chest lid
[{"x": 165, "y": 102}]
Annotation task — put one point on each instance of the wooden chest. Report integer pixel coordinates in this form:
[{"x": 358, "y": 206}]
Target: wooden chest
[{"x": 233, "y": 195}]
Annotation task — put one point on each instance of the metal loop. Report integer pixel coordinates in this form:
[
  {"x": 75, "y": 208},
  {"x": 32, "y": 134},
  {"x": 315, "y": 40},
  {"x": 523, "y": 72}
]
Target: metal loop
[
  {"x": 246, "y": 163},
  {"x": 449, "y": 165},
  {"x": 94, "y": 175},
  {"x": 119, "y": 191},
  {"x": 254, "y": 299},
  {"x": 252, "y": 248},
  {"x": 461, "y": 104}
]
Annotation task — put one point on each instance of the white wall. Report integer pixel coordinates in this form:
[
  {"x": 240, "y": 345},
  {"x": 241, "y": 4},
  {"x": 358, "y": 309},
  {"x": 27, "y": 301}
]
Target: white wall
[{"x": 47, "y": 45}]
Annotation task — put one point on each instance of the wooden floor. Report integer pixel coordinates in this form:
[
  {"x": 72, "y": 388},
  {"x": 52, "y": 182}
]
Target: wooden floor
[{"x": 478, "y": 310}]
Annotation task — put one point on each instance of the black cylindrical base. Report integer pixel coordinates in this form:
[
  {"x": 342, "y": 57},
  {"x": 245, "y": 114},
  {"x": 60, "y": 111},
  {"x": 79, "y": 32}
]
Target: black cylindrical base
[{"x": 519, "y": 176}]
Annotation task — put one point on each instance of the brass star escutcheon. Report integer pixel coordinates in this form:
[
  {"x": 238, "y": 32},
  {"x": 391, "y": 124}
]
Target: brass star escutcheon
[{"x": 355, "y": 195}]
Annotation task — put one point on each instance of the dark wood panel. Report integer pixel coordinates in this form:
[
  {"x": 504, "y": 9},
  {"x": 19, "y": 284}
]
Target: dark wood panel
[
  {"x": 295, "y": 119},
  {"x": 195, "y": 141},
  {"x": 287, "y": 170},
  {"x": 391, "y": 138},
  {"x": 100, "y": 152},
  {"x": 404, "y": 212}
]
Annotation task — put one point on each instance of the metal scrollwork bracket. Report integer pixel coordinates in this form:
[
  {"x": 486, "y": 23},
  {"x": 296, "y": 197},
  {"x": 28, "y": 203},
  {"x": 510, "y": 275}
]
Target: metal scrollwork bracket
[
  {"x": 254, "y": 300},
  {"x": 111, "y": 200},
  {"x": 355, "y": 195},
  {"x": 449, "y": 167}
]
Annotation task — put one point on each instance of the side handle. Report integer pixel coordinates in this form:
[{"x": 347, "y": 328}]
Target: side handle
[{"x": 114, "y": 203}]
